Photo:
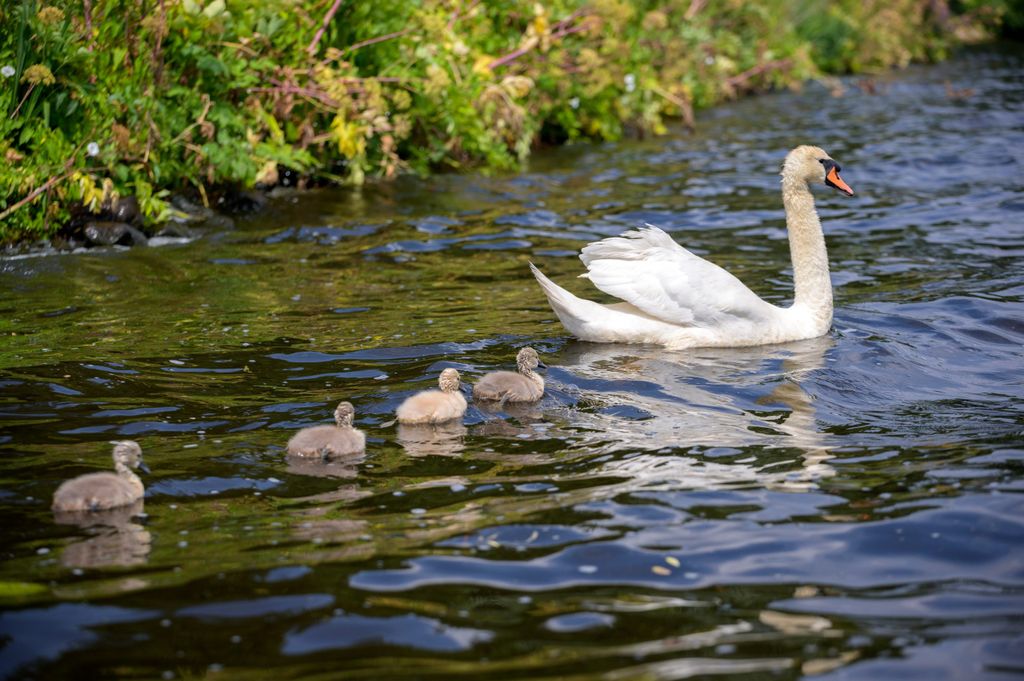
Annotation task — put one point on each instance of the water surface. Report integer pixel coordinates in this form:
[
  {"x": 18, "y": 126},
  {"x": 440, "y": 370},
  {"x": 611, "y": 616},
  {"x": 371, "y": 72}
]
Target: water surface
[{"x": 846, "y": 508}]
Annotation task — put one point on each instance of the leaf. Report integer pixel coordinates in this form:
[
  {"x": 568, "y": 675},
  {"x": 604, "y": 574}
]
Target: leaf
[
  {"x": 214, "y": 8},
  {"x": 20, "y": 589},
  {"x": 349, "y": 137},
  {"x": 212, "y": 65}
]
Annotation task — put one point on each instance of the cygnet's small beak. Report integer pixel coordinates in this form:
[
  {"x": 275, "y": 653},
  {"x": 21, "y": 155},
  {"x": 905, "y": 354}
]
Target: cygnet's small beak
[
  {"x": 832, "y": 179},
  {"x": 541, "y": 365},
  {"x": 143, "y": 467}
]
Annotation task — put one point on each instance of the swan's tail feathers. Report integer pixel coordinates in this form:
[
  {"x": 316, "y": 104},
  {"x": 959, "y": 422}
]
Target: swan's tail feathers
[
  {"x": 568, "y": 308},
  {"x": 559, "y": 298},
  {"x": 590, "y": 321}
]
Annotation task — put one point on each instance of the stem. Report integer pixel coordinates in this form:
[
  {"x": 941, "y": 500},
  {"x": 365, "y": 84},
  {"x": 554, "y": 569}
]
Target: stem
[
  {"x": 685, "y": 107},
  {"x": 458, "y": 15},
  {"x": 695, "y": 7},
  {"x": 88, "y": 22},
  {"x": 741, "y": 78},
  {"x": 158, "y": 53},
  {"x": 323, "y": 26},
  {"x": 288, "y": 89},
  {"x": 559, "y": 30},
  {"x": 27, "y": 93},
  {"x": 379, "y": 39},
  {"x": 34, "y": 193}
]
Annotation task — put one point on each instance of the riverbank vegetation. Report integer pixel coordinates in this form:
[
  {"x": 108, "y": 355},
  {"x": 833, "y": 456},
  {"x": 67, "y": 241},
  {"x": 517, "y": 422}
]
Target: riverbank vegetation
[{"x": 105, "y": 100}]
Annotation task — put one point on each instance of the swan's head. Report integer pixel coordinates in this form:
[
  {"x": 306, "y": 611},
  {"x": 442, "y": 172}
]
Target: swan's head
[
  {"x": 344, "y": 414},
  {"x": 449, "y": 380},
  {"x": 814, "y": 166},
  {"x": 527, "y": 360},
  {"x": 128, "y": 453}
]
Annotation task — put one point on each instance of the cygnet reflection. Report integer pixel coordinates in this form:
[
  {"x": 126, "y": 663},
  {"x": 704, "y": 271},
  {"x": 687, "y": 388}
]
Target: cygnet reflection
[
  {"x": 344, "y": 468},
  {"x": 115, "y": 538},
  {"x": 432, "y": 439},
  {"x": 511, "y": 419}
]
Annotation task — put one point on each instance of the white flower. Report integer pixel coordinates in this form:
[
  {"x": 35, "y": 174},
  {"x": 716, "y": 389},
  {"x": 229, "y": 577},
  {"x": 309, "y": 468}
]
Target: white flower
[
  {"x": 709, "y": 60},
  {"x": 630, "y": 81},
  {"x": 92, "y": 149},
  {"x": 7, "y": 71},
  {"x": 574, "y": 102}
]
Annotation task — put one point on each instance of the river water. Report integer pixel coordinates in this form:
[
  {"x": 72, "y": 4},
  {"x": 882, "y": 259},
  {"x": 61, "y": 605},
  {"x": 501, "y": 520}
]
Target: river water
[{"x": 850, "y": 507}]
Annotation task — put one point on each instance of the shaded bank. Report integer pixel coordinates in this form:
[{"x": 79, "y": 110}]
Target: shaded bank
[{"x": 104, "y": 101}]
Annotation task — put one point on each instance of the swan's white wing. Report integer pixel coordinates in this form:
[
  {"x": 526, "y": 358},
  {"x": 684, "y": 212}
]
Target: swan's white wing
[{"x": 648, "y": 269}]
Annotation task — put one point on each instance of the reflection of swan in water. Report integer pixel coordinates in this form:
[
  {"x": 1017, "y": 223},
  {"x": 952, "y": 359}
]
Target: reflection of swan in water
[
  {"x": 438, "y": 439},
  {"x": 114, "y": 539},
  {"x": 800, "y": 425},
  {"x": 715, "y": 398},
  {"x": 510, "y": 419},
  {"x": 310, "y": 516},
  {"x": 341, "y": 469},
  {"x": 345, "y": 468}
]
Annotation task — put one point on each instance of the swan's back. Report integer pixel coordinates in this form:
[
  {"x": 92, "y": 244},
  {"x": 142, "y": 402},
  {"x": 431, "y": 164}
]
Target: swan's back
[
  {"x": 322, "y": 441},
  {"x": 96, "y": 492},
  {"x": 432, "y": 406},
  {"x": 508, "y": 386},
  {"x": 648, "y": 269}
]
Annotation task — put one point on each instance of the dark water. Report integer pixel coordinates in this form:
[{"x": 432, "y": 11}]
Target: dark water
[{"x": 850, "y": 507}]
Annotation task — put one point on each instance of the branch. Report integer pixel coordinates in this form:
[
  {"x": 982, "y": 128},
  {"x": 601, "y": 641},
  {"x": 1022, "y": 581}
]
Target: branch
[
  {"x": 741, "y": 78},
  {"x": 559, "y": 30},
  {"x": 87, "y": 10},
  {"x": 289, "y": 89},
  {"x": 207, "y": 104},
  {"x": 379, "y": 39},
  {"x": 695, "y": 7},
  {"x": 323, "y": 26},
  {"x": 46, "y": 185},
  {"x": 458, "y": 15},
  {"x": 685, "y": 107}
]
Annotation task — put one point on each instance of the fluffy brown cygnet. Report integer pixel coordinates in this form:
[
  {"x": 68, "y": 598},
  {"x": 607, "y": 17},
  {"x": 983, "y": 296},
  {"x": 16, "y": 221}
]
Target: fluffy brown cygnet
[
  {"x": 100, "y": 491},
  {"x": 509, "y": 386},
  {"x": 435, "y": 406},
  {"x": 325, "y": 442}
]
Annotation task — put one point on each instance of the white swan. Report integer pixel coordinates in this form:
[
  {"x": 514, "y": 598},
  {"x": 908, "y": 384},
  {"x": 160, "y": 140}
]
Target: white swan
[{"x": 677, "y": 299}]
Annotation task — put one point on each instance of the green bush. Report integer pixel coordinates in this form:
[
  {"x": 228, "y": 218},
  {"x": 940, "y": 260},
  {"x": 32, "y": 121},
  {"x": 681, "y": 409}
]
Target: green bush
[{"x": 145, "y": 98}]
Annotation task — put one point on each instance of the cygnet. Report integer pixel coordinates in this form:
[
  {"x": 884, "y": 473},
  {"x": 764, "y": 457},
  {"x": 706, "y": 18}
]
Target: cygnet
[
  {"x": 435, "y": 406},
  {"x": 325, "y": 442},
  {"x": 100, "y": 491},
  {"x": 509, "y": 386}
]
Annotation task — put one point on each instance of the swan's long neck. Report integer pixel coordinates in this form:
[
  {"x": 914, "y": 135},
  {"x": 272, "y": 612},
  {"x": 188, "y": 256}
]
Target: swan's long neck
[
  {"x": 807, "y": 248},
  {"x": 127, "y": 473},
  {"x": 530, "y": 374}
]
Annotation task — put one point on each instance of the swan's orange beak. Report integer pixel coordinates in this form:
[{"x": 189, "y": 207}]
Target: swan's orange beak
[{"x": 832, "y": 179}]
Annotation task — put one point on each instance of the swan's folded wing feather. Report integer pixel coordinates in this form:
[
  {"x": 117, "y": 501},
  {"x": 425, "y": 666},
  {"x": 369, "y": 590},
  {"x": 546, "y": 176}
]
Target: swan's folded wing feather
[{"x": 648, "y": 269}]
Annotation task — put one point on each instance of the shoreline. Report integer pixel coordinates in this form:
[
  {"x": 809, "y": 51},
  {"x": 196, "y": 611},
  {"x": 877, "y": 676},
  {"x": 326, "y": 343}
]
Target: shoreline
[{"x": 338, "y": 115}]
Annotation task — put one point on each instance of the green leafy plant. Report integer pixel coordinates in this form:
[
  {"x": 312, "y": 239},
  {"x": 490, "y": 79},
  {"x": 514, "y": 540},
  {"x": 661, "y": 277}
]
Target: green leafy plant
[{"x": 111, "y": 99}]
